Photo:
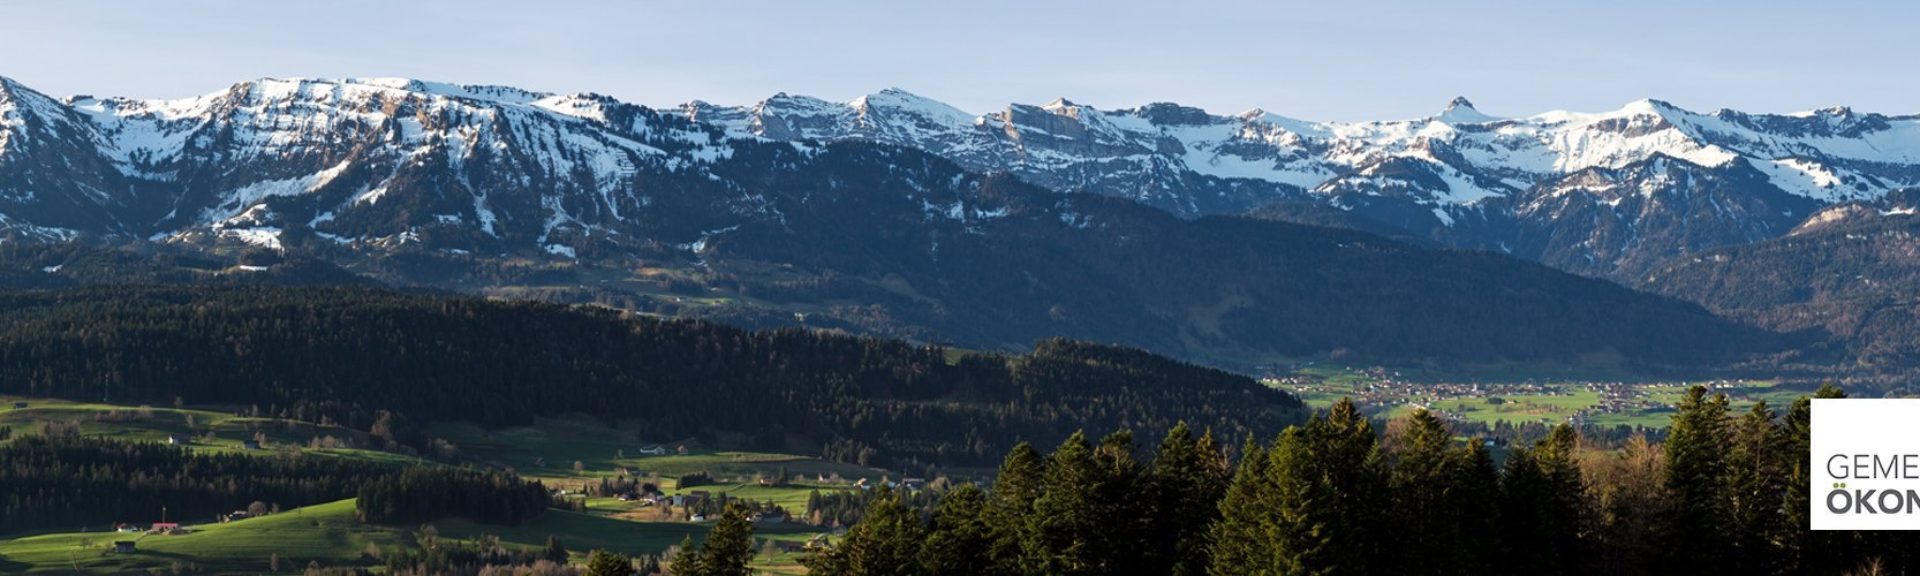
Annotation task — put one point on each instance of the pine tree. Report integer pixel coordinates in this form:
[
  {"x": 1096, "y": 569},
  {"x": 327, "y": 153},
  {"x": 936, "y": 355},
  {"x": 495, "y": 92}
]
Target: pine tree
[
  {"x": 886, "y": 542},
  {"x": 1804, "y": 551},
  {"x": 1066, "y": 516},
  {"x": 1238, "y": 541},
  {"x": 958, "y": 543},
  {"x": 1119, "y": 546},
  {"x": 687, "y": 560},
  {"x": 554, "y": 551},
  {"x": 1697, "y": 476},
  {"x": 1318, "y": 507},
  {"x": 1426, "y": 499},
  {"x": 1015, "y": 488},
  {"x": 1188, "y": 478},
  {"x": 1334, "y": 500},
  {"x": 1476, "y": 486},
  {"x": 604, "y": 563},
  {"x": 729, "y": 546},
  {"x": 1542, "y": 507},
  {"x": 1757, "y": 470}
]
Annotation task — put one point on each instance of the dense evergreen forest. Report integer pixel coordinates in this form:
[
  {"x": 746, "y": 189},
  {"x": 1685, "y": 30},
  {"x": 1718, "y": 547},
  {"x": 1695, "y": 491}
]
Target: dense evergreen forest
[
  {"x": 358, "y": 356},
  {"x": 64, "y": 481},
  {"x": 1857, "y": 281},
  {"x": 422, "y": 494},
  {"x": 1724, "y": 494}
]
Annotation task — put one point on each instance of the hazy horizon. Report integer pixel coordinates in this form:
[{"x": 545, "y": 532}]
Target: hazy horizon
[{"x": 1354, "y": 61}]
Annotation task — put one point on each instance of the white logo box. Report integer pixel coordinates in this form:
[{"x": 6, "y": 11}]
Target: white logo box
[{"x": 1865, "y": 464}]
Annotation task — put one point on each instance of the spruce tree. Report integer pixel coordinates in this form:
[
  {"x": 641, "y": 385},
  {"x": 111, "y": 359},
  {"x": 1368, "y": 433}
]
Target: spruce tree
[
  {"x": 958, "y": 543},
  {"x": 687, "y": 561},
  {"x": 1321, "y": 499},
  {"x": 1426, "y": 500},
  {"x": 1475, "y": 497},
  {"x": 604, "y": 563},
  {"x": 1542, "y": 509},
  {"x": 1119, "y": 546},
  {"x": 885, "y": 542},
  {"x": 1067, "y": 516},
  {"x": 1238, "y": 541},
  {"x": 729, "y": 546},
  {"x": 1804, "y": 551},
  {"x": 1188, "y": 478},
  {"x": 1015, "y": 488},
  {"x": 1757, "y": 472},
  {"x": 1697, "y": 476}
]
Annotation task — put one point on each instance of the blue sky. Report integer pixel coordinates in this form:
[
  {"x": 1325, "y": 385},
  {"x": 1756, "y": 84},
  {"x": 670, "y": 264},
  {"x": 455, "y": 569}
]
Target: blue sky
[{"x": 1347, "y": 60}]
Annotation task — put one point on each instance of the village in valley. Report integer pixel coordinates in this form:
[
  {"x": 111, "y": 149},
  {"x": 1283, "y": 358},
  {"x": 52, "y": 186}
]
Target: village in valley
[{"x": 1387, "y": 393}]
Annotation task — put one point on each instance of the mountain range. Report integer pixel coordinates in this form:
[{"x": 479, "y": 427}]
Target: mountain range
[{"x": 1161, "y": 226}]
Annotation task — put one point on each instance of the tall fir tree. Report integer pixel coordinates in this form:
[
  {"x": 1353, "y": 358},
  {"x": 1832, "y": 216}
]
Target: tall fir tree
[
  {"x": 1184, "y": 486},
  {"x": 1238, "y": 541},
  {"x": 1067, "y": 515},
  {"x": 1476, "y": 486},
  {"x": 686, "y": 558},
  {"x": 1757, "y": 465},
  {"x": 604, "y": 563},
  {"x": 1428, "y": 504},
  {"x": 1697, "y": 477},
  {"x": 958, "y": 543},
  {"x": 1323, "y": 494},
  {"x": 885, "y": 542},
  {"x": 1542, "y": 507},
  {"x": 729, "y": 546},
  {"x": 1015, "y": 488}
]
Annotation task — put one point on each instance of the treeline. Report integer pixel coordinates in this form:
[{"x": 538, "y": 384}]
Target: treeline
[
  {"x": 345, "y": 354},
  {"x": 427, "y": 494},
  {"x": 1856, "y": 280},
  {"x": 844, "y": 507},
  {"x": 1724, "y": 494},
  {"x": 67, "y": 482},
  {"x": 62, "y": 481}
]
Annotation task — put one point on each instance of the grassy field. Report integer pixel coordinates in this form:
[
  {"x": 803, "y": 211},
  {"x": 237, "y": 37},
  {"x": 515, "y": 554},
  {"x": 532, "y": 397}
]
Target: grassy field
[
  {"x": 326, "y": 533},
  {"x": 329, "y": 534},
  {"x": 203, "y": 428},
  {"x": 1611, "y": 403}
]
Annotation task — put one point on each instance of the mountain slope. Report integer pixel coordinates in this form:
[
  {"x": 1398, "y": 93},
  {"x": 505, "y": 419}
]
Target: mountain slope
[
  {"x": 516, "y": 193},
  {"x": 343, "y": 354},
  {"x": 1854, "y": 272},
  {"x": 1529, "y": 186}
]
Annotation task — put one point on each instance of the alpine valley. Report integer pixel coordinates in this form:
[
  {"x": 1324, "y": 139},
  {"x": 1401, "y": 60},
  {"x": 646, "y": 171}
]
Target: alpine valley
[{"x": 1607, "y": 239}]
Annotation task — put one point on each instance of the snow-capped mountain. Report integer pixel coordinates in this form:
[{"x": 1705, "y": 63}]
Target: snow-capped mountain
[
  {"x": 496, "y": 169},
  {"x": 1605, "y": 193},
  {"x": 861, "y": 216}
]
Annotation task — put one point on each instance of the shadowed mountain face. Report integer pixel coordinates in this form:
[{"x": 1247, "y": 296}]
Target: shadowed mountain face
[
  {"x": 743, "y": 214},
  {"x": 1852, "y": 270}
]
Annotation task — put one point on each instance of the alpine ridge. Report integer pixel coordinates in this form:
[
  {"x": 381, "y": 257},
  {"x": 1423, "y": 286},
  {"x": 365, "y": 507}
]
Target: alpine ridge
[{"x": 898, "y": 215}]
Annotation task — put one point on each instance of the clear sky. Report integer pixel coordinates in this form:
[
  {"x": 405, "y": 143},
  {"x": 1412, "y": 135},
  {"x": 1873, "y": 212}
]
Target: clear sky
[{"x": 1321, "y": 60}]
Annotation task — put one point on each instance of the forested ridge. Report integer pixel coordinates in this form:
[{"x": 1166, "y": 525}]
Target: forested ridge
[
  {"x": 1857, "y": 281},
  {"x": 61, "y": 480},
  {"x": 345, "y": 354},
  {"x": 1725, "y": 493}
]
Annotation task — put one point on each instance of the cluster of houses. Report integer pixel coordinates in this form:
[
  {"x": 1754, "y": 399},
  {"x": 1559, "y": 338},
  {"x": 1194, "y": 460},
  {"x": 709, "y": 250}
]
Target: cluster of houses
[
  {"x": 1384, "y": 390},
  {"x": 157, "y": 529}
]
